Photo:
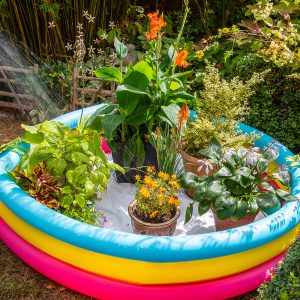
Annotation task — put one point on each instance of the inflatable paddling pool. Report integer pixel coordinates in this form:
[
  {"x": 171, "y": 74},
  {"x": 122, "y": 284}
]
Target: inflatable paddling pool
[{"x": 108, "y": 264}]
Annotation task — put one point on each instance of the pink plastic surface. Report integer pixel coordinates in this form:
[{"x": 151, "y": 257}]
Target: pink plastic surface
[{"x": 110, "y": 289}]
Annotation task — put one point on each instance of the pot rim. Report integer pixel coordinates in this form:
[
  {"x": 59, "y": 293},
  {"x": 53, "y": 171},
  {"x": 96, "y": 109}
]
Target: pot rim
[{"x": 164, "y": 224}]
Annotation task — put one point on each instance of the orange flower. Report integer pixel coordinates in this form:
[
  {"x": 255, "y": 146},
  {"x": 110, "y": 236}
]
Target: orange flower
[
  {"x": 180, "y": 58},
  {"x": 183, "y": 114},
  {"x": 156, "y": 23}
]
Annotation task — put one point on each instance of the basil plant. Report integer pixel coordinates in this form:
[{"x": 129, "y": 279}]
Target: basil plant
[
  {"x": 243, "y": 183},
  {"x": 147, "y": 96}
]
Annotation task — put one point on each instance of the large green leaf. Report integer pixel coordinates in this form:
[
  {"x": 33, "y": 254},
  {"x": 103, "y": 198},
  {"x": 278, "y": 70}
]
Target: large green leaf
[
  {"x": 95, "y": 120},
  {"x": 33, "y": 138},
  {"x": 110, "y": 123},
  {"x": 128, "y": 98},
  {"x": 268, "y": 202},
  {"x": 78, "y": 158},
  {"x": 53, "y": 127},
  {"x": 121, "y": 49},
  {"x": 139, "y": 76},
  {"x": 222, "y": 173},
  {"x": 57, "y": 166},
  {"x": 170, "y": 113},
  {"x": 224, "y": 201},
  {"x": 141, "y": 115},
  {"x": 200, "y": 189},
  {"x": 40, "y": 153},
  {"x": 129, "y": 151},
  {"x": 107, "y": 73}
]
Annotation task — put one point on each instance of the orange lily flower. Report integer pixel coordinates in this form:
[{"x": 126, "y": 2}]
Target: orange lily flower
[
  {"x": 183, "y": 114},
  {"x": 156, "y": 23},
  {"x": 180, "y": 59}
]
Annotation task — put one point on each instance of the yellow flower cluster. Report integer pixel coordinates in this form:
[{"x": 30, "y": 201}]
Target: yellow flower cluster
[{"x": 156, "y": 194}]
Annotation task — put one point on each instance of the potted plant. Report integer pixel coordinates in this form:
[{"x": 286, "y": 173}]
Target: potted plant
[
  {"x": 147, "y": 97},
  {"x": 240, "y": 188},
  {"x": 155, "y": 209},
  {"x": 65, "y": 169},
  {"x": 223, "y": 105}
]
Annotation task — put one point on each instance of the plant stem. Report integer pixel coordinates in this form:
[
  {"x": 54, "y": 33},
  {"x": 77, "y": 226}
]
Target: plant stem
[{"x": 186, "y": 11}]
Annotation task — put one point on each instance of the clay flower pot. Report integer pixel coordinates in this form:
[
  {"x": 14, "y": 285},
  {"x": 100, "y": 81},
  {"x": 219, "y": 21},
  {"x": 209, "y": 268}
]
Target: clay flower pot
[
  {"x": 157, "y": 229},
  {"x": 228, "y": 223},
  {"x": 197, "y": 166}
]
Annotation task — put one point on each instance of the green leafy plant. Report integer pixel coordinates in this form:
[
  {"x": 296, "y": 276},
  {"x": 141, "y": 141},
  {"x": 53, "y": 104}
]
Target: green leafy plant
[
  {"x": 240, "y": 185},
  {"x": 147, "y": 96},
  {"x": 76, "y": 158},
  {"x": 284, "y": 283},
  {"x": 224, "y": 105}
]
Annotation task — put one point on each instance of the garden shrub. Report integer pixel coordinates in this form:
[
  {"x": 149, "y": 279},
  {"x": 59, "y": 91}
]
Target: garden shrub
[
  {"x": 285, "y": 284},
  {"x": 275, "y": 105}
]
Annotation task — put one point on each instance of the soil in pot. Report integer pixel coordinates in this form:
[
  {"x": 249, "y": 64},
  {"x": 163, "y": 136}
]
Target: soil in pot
[
  {"x": 157, "y": 229},
  {"x": 228, "y": 223},
  {"x": 197, "y": 166},
  {"x": 129, "y": 176}
]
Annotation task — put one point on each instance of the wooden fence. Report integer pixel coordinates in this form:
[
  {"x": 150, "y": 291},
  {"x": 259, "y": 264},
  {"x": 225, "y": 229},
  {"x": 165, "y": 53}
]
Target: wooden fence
[
  {"x": 26, "y": 102},
  {"x": 23, "y": 102}
]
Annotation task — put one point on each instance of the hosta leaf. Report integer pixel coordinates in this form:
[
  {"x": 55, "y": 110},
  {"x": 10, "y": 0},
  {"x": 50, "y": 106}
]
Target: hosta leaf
[
  {"x": 286, "y": 196},
  {"x": 223, "y": 172},
  {"x": 224, "y": 201},
  {"x": 233, "y": 186},
  {"x": 225, "y": 213},
  {"x": 200, "y": 190},
  {"x": 214, "y": 189},
  {"x": 188, "y": 180},
  {"x": 213, "y": 150},
  {"x": 120, "y": 48},
  {"x": 253, "y": 207},
  {"x": 203, "y": 207},
  {"x": 268, "y": 202},
  {"x": 240, "y": 211}
]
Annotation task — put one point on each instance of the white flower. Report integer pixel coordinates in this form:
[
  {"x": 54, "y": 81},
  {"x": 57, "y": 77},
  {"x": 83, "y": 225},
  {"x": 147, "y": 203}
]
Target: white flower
[
  {"x": 96, "y": 41},
  {"x": 91, "y": 19},
  {"x": 206, "y": 165},
  {"x": 91, "y": 49},
  {"x": 86, "y": 13},
  {"x": 69, "y": 47},
  {"x": 79, "y": 26},
  {"x": 100, "y": 51},
  {"x": 104, "y": 36},
  {"x": 111, "y": 24},
  {"x": 51, "y": 24}
]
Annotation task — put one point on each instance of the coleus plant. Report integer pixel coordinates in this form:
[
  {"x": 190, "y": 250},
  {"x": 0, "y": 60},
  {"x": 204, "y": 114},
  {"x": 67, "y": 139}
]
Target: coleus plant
[
  {"x": 40, "y": 184},
  {"x": 241, "y": 185},
  {"x": 148, "y": 94},
  {"x": 76, "y": 158}
]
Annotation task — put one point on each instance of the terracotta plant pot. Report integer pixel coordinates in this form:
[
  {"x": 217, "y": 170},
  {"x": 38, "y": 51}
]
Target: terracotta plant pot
[
  {"x": 228, "y": 223},
  {"x": 192, "y": 164},
  {"x": 157, "y": 229}
]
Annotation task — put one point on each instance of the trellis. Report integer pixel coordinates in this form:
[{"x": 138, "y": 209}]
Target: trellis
[
  {"x": 92, "y": 93},
  {"x": 12, "y": 91}
]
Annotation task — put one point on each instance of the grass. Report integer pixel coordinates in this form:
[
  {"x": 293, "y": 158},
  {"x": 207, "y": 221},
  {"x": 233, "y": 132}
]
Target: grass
[{"x": 18, "y": 281}]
